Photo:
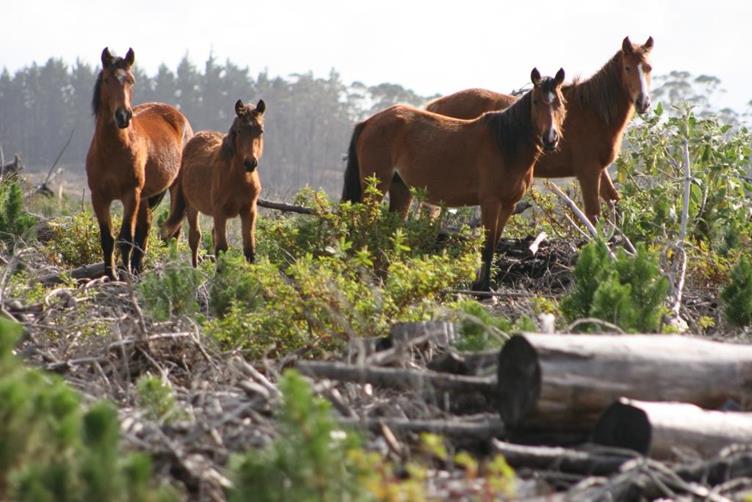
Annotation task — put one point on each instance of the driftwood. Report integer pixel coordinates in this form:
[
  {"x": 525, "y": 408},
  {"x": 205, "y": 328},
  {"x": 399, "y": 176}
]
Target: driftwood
[
  {"x": 662, "y": 429},
  {"x": 398, "y": 378},
  {"x": 564, "y": 382}
]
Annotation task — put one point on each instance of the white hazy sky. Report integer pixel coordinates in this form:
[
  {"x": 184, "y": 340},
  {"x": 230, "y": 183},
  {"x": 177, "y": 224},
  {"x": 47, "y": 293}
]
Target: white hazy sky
[{"x": 431, "y": 47}]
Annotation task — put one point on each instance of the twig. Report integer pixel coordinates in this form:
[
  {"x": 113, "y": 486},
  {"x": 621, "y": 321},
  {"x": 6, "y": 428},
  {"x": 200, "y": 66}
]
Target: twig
[
  {"x": 576, "y": 210},
  {"x": 593, "y": 320},
  {"x": 679, "y": 245},
  {"x": 54, "y": 164}
]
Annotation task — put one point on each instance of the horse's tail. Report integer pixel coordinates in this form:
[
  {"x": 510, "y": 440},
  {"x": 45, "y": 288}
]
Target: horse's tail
[
  {"x": 171, "y": 227},
  {"x": 352, "y": 190}
]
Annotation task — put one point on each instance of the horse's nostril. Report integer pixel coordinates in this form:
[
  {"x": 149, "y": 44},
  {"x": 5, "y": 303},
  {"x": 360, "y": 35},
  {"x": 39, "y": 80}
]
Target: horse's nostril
[{"x": 250, "y": 164}]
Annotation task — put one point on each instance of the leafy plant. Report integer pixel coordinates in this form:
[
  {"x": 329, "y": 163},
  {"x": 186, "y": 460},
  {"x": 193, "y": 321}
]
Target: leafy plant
[
  {"x": 14, "y": 220},
  {"x": 52, "y": 449},
  {"x": 483, "y": 330},
  {"x": 628, "y": 291},
  {"x": 170, "y": 289},
  {"x": 310, "y": 459},
  {"x": 737, "y": 295},
  {"x": 157, "y": 399}
]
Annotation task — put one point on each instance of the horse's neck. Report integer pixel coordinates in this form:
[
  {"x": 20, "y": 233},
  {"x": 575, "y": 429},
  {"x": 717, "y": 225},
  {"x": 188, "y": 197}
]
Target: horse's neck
[
  {"x": 111, "y": 136},
  {"x": 613, "y": 121}
]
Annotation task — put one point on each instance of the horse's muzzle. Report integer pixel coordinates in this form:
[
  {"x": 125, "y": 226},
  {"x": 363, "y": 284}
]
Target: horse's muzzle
[
  {"x": 642, "y": 104},
  {"x": 250, "y": 165},
  {"x": 123, "y": 117}
]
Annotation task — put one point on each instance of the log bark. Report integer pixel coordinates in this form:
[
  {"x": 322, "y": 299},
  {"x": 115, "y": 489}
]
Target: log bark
[
  {"x": 485, "y": 429},
  {"x": 661, "y": 430},
  {"x": 284, "y": 207},
  {"x": 564, "y": 382}
]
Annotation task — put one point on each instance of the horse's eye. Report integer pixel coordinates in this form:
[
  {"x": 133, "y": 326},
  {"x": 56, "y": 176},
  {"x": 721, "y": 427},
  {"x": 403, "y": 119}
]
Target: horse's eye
[{"x": 627, "y": 68}]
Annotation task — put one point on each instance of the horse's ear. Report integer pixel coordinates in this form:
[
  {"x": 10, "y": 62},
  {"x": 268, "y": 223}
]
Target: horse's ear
[
  {"x": 260, "y": 107},
  {"x": 626, "y": 46},
  {"x": 107, "y": 58},
  {"x": 130, "y": 57},
  {"x": 535, "y": 76},
  {"x": 648, "y": 46},
  {"x": 559, "y": 78},
  {"x": 239, "y": 107}
]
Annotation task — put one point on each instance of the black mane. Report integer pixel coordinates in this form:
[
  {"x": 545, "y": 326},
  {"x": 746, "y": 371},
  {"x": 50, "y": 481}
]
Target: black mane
[{"x": 513, "y": 128}]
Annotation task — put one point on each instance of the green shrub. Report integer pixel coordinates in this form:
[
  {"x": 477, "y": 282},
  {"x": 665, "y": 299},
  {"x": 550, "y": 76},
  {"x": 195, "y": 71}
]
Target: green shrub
[
  {"x": 170, "y": 289},
  {"x": 310, "y": 459},
  {"x": 481, "y": 330},
  {"x": 628, "y": 291},
  {"x": 52, "y": 449},
  {"x": 157, "y": 399},
  {"x": 75, "y": 241},
  {"x": 737, "y": 295},
  {"x": 14, "y": 220}
]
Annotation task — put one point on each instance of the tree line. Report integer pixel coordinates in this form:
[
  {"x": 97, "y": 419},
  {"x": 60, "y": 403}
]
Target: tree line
[{"x": 308, "y": 122}]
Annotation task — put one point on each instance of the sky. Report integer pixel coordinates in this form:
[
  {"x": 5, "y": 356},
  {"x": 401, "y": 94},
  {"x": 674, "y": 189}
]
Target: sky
[{"x": 431, "y": 47}]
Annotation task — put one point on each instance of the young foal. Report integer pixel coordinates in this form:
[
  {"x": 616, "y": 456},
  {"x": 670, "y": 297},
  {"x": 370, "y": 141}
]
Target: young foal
[
  {"x": 487, "y": 161},
  {"x": 598, "y": 111},
  {"x": 219, "y": 178},
  {"x": 134, "y": 157}
]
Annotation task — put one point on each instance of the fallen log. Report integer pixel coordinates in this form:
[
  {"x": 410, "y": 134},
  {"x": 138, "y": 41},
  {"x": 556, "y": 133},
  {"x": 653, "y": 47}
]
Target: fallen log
[
  {"x": 84, "y": 272},
  {"x": 398, "y": 378},
  {"x": 282, "y": 206},
  {"x": 564, "y": 382},
  {"x": 592, "y": 461},
  {"x": 485, "y": 429},
  {"x": 661, "y": 430}
]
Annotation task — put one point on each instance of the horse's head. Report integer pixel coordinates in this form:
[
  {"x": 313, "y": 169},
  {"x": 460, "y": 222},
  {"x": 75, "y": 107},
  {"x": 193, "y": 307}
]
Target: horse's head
[
  {"x": 245, "y": 141},
  {"x": 114, "y": 87},
  {"x": 547, "y": 108},
  {"x": 635, "y": 72}
]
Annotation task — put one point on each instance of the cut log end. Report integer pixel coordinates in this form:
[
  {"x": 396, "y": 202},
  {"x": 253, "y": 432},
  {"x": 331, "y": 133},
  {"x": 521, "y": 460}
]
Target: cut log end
[
  {"x": 519, "y": 381},
  {"x": 624, "y": 426}
]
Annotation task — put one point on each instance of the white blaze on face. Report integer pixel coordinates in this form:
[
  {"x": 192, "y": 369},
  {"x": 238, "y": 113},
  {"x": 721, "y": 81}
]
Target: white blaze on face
[
  {"x": 643, "y": 80},
  {"x": 550, "y": 96},
  {"x": 120, "y": 74}
]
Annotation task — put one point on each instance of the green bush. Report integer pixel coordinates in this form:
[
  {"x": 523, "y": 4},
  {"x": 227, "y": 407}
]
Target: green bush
[
  {"x": 481, "y": 330},
  {"x": 737, "y": 295},
  {"x": 52, "y": 449},
  {"x": 350, "y": 270},
  {"x": 170, "y": 289},
  {"x": 156, "y": 398},
  {"x": 628, "y": 291},
  {"x": 14, "y": 220},
  {"x": 309, "y": 461},
  {"x": 75, "y": 241}
]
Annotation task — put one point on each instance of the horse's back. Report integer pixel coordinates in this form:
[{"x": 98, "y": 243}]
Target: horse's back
[
  {"x": 197, "y": 168},
  {"x": 470, "y": 103}
]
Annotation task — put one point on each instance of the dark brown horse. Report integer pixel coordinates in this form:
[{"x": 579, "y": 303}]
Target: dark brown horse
[
  {"x": 487, "y": 161},
  {"x": 134, "y": 157},
  {"x": 218, "y": 177},
  {"x": 598, "y": 110}
]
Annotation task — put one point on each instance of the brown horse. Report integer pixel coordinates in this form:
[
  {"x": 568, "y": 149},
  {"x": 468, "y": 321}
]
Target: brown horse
[
  {"x": 218, "y": 177},
  {"x": 487, "y": 161},
  {"x": 598, "y": 111},
  {"x": 134, "y": 157}
]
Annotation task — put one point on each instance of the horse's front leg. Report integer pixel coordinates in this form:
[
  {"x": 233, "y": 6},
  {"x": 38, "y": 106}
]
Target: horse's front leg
[
  {"x": 248, "y": 227},
  {"x": 489, "y": 213},
  {"x": 101, "y": 207},
  {"x": 131, "y": 203},
  {"x": 220, "y": 233}
]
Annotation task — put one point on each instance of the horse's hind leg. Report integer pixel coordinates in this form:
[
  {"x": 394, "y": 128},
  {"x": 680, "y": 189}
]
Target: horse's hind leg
[
  {"x": 491, "y": 216},
  {"x": 399, "y": 196},
  {"x": 220, "y": 235},
  {"x": 131, "y": 204},
  {"x": 608, "y": 190},
  {"x": 590, "y": 185},
  {"x": 194, "y": 234},
  {"x": 102, "y": 212},
  {"x": 143, "y": 226}
]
